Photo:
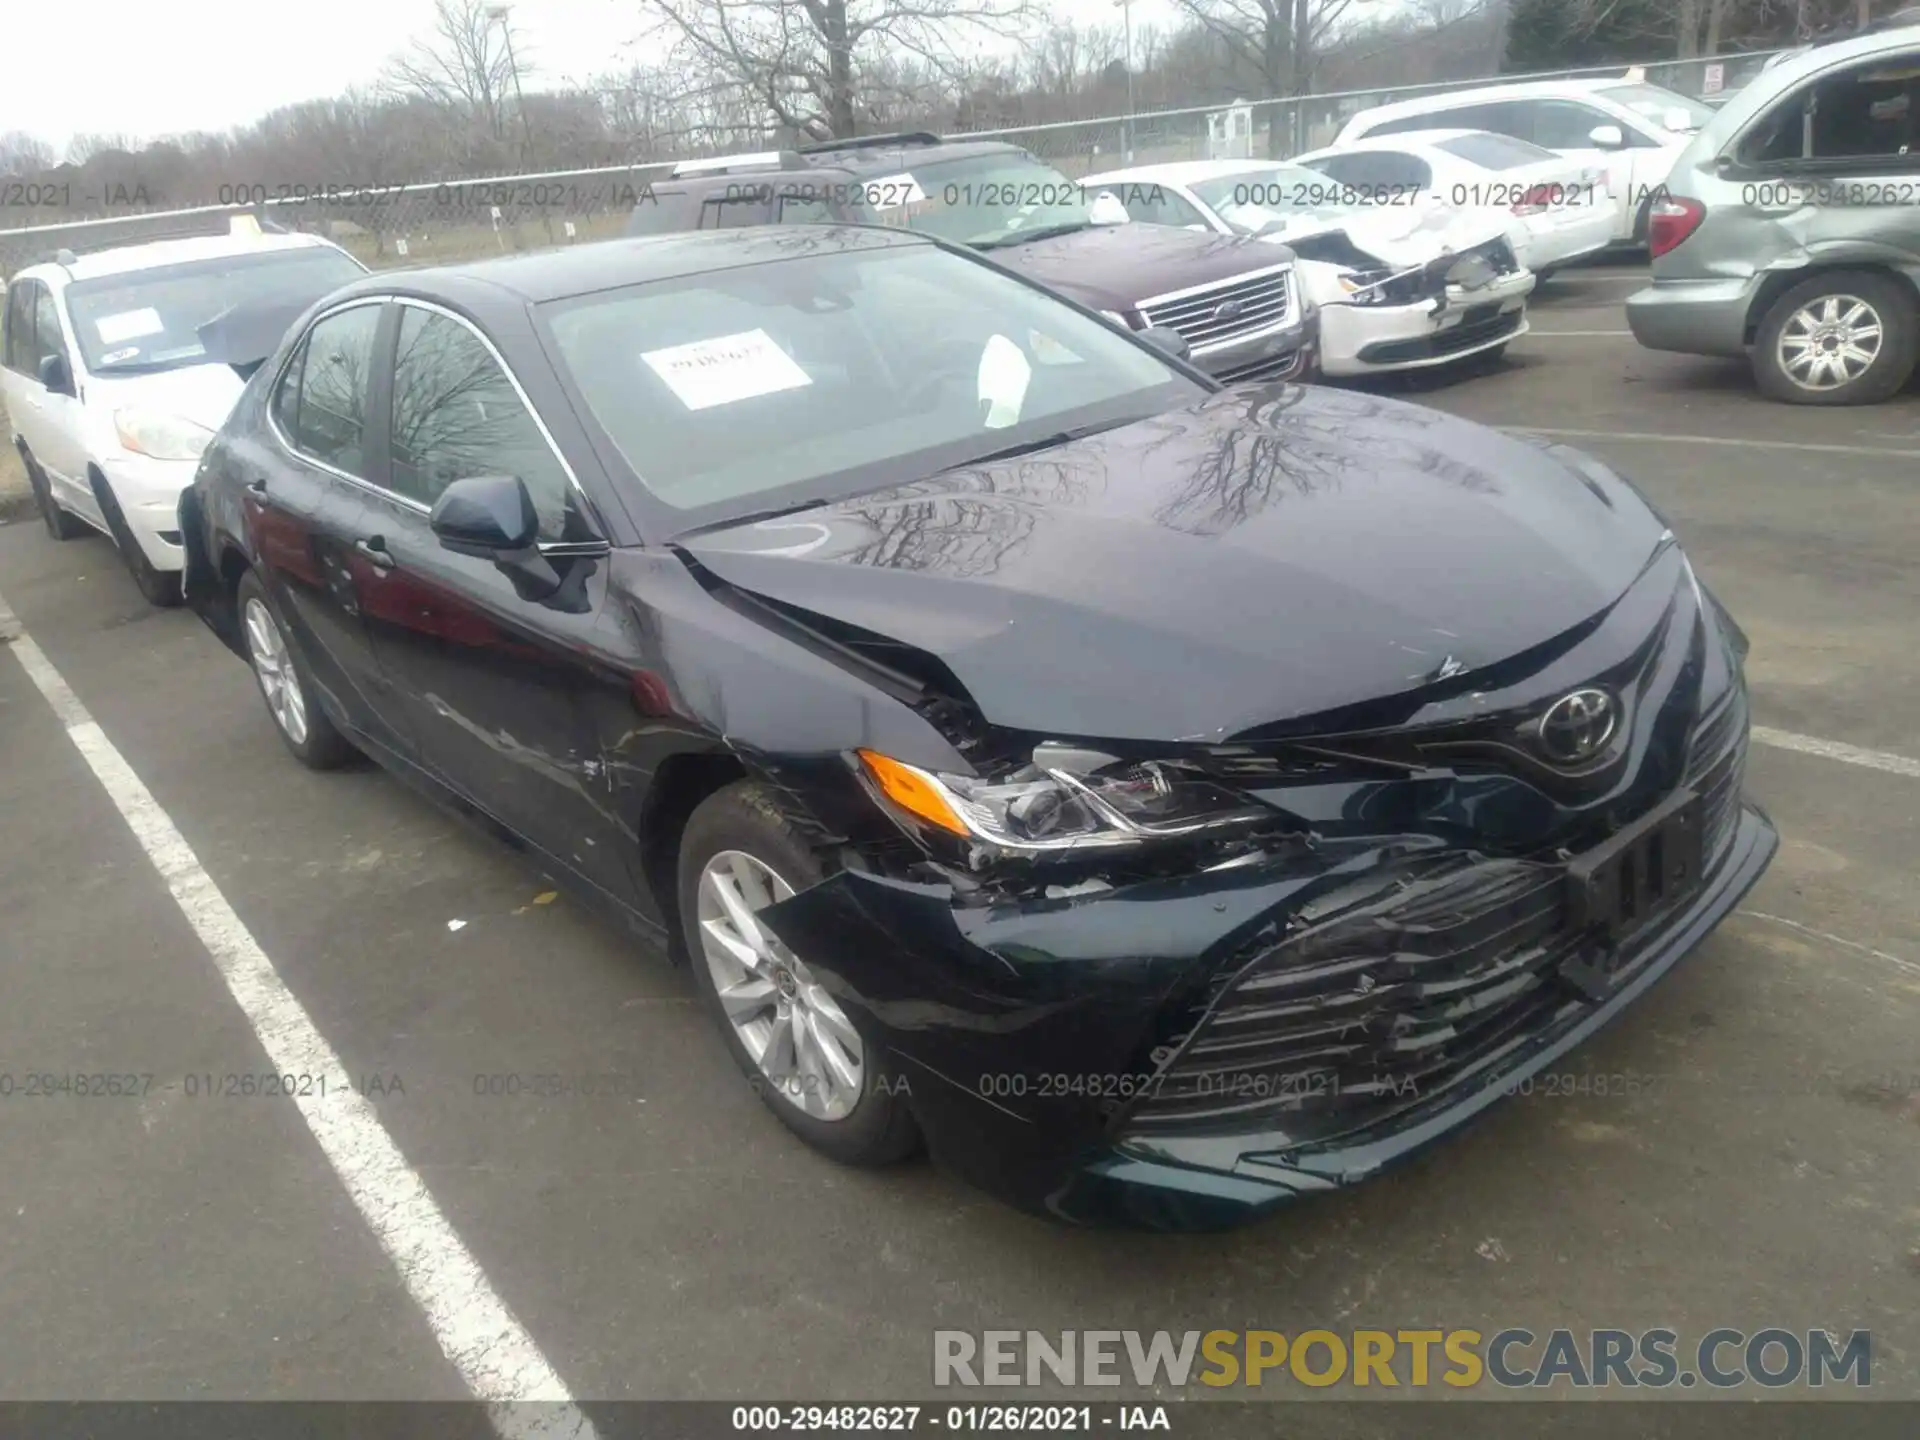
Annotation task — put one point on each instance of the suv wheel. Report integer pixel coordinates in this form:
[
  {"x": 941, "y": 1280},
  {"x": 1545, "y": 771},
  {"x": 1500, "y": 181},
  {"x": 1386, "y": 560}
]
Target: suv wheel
[
  {"x": 61, "y": 524},
  {"x": 1843, "y": 338},
  {"x": 828, "y": 1082}
]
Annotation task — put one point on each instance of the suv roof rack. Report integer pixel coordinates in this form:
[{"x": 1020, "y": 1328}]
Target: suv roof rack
[
  {"x": 871, "y": 142},
  {"x": 731, "y": 164}
]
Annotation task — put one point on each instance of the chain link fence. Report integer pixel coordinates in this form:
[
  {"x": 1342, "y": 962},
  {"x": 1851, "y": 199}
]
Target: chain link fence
[{"x": 439, "y": 221}]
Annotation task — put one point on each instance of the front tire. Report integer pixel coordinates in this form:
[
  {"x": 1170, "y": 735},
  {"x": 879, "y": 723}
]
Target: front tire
[
  {"x": 826, "y": 1079},
  {"x": 160, "y": 588},
  {"x": 303, "y": 726},
  {"x": 61, "y": 524},
  {"x": 1847, "y": 337}
]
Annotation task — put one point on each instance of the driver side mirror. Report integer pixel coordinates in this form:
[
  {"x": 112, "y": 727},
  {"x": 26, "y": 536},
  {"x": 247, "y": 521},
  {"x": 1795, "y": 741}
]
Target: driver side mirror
[
  {"x": 1608, "y": 137},
  {"x": 1165, "y": 337},
  {"x": 491, "y": 517},
  {"x": 56, "y": 374}
]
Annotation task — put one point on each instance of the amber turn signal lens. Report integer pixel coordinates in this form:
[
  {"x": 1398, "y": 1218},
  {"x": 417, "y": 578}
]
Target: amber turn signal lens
[{"x": 911, "y": 791}]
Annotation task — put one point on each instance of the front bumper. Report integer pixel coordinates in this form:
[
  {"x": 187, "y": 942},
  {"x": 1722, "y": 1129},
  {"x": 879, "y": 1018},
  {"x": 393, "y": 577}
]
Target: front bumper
[
  {"x": 148, "y": 492},
  {"x": 1372, "y": 339},
  {"x": 1694, "y": 317},
  {"x": 1024, "y": 1030}
]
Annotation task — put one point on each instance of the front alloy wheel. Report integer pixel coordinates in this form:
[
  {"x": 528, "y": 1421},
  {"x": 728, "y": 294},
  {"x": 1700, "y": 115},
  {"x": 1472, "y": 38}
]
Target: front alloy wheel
[
  {"x": 795, "y": 1032},
  {"x": 827, "y": 1078}
]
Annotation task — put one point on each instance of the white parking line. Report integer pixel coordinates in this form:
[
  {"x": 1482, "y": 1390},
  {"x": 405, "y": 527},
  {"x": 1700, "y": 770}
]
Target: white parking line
[
  {"x": 1536, "y": 330},
  {"x": 1653, "y": 437},
  {"x": 478, "y": 1333},
  {"x": 1898, "y": 962},
  {"x": 1836, "y": 750}
]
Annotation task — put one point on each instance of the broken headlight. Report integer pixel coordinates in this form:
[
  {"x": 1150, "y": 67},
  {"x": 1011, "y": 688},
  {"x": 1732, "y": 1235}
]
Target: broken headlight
[{"x": 1047, "y": 808}]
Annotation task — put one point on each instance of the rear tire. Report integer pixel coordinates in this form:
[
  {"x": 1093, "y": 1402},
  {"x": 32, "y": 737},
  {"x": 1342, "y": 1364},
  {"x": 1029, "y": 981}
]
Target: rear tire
[
  {"x": 61, "y": 524},
  {"x": 291, "y": 703},
  {"x": 161, "y": 588},
  {"x": 1845, "y": 337},
  {"x": 825, "y": 1076}
]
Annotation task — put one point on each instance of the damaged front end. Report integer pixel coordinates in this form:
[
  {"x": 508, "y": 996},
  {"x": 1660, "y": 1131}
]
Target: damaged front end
[
  {"x": 1176, "y": 985},
  {"x": 1377, "y": 315}
]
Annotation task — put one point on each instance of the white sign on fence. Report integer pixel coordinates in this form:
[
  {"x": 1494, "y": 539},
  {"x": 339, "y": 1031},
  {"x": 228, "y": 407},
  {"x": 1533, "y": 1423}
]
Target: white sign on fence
[{"x": 1714, "y": 80}]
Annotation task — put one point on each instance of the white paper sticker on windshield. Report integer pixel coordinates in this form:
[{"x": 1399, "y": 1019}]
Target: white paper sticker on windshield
[
  {"x": 128, "y": 325},
  {"x": 1049, "y": 351},
  {"x": 894, "y": 191},
  {"x": 726, "y": 368}
]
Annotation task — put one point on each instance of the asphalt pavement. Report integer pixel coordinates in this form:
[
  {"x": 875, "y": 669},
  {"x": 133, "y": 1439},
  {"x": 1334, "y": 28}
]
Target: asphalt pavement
[{"x": 667, "y": 1239}]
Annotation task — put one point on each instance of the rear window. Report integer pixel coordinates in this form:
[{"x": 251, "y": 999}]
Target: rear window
[{"x": 1494, "y": 152}]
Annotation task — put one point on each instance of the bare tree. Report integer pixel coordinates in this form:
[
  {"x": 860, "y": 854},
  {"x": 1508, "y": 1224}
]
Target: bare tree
[
  {"x": 811, "y": 65},
  {"x": 24, "y": 154},
  {"x": 463, "y": 65}
]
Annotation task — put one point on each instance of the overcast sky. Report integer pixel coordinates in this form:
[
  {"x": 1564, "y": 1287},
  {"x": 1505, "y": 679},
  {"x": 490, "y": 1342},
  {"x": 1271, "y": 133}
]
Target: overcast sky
[{"x": 146, "y": 69}]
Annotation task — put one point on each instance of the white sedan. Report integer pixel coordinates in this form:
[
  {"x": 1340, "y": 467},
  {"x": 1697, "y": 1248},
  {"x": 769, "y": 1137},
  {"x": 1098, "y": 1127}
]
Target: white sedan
[
  {"x": 1555, "y": 209},
  {"x": 1396, "y": 287}
]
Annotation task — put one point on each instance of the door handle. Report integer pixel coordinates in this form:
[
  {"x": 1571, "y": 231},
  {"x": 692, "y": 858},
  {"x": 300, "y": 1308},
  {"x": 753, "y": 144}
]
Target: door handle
[{"x": 375, "y": 550}]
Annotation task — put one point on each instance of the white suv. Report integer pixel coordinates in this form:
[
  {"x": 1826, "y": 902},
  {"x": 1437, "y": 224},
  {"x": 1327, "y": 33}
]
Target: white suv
[
  {"x": 1627, "y": 129},
  {"x": 112, "y": 390}
]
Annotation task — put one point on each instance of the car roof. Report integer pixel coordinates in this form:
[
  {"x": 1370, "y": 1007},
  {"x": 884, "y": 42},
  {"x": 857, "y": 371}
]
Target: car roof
[
  {"x": 1518, "y": 90},
  {"x": 891, "y": 159},
  {"x": 511, "y": 282},
  {"x": 1417, "y": 140},
  {"x": 126, "y": 259},
  {"x": 1185, "y": 172}
]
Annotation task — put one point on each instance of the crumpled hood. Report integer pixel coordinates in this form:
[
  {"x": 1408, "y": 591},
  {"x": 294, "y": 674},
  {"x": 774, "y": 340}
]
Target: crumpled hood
[
  {"x": 1266, "y": 554},
  {"x": 1401, "y": 235},
  {"x": 1114, "y": 267}
]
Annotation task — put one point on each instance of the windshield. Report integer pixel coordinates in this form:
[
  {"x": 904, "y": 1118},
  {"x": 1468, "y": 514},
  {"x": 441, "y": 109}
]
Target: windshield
[
  {"x": 1000, "y": 199},
  {"x": 147, "y": 320},
  {"x": 1265, "y": 196},
  {"x": 842, "y": 369},
  {"x": 1652, "y": 104}
]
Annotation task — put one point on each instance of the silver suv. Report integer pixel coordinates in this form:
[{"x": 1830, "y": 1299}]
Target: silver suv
[{"x": 1790, "y": 230}]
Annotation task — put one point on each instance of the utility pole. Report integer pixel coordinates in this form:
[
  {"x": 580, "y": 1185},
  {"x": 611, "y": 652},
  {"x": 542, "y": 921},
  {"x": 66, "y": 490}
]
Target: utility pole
[
  {"x": 1126, "y": 13},
  {"x": 502, "y": 13}
]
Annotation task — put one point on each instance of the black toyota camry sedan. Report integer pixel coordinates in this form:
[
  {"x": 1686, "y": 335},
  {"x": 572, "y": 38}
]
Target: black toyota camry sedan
[{"x": 1163, "y": 800}]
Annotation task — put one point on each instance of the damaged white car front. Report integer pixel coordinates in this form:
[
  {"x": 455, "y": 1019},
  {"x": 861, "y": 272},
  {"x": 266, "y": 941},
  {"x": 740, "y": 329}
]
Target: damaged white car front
[{"x": 1394, "y": 295}]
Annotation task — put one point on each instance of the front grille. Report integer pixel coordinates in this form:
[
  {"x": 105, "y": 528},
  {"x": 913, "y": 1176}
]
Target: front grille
[
  {"x": 1264, "y": 301},
  {"x": 1411, "y": 984}
]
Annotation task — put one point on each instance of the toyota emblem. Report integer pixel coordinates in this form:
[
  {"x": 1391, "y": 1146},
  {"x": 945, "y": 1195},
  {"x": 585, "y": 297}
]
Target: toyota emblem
[{"x": 1577, "y": 726}]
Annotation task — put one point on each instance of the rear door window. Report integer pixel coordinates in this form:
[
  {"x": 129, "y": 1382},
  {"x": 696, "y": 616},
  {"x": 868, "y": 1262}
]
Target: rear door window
[
  {"x": 1377, "y": 172},
  {"x": 323, "y": 398},
  {"x": 1863, "y": 117},
  {"x": 1495, "y": 152}
]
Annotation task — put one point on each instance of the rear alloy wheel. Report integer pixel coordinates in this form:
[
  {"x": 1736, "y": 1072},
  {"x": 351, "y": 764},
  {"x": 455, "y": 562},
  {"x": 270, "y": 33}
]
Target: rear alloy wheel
[
  {"x": 804, "y": 1055},
  {"x": 1844, "y": 338},
  {"x": 61, "y": 524},
  {"x": 160, "y": 587},
  {"x": 308, "y": 733}
]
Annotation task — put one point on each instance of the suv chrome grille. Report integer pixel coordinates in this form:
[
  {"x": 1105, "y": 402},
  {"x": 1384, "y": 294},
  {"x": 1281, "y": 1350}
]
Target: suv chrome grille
[{"x": 1252, "y": 304}]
